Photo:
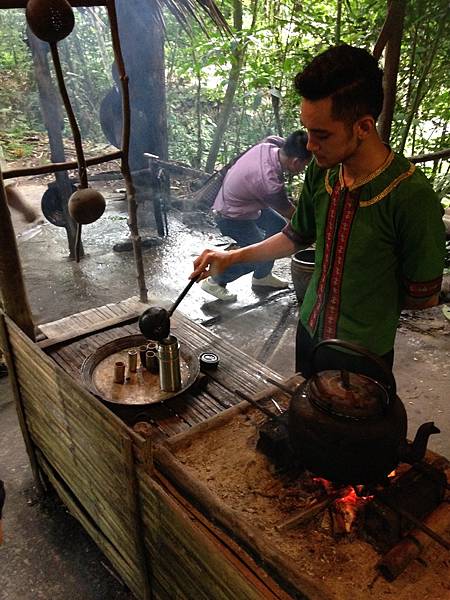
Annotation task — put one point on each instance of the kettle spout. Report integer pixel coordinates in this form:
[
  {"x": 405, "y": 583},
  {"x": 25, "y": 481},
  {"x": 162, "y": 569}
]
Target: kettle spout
[{"x": 415, "y": 451}]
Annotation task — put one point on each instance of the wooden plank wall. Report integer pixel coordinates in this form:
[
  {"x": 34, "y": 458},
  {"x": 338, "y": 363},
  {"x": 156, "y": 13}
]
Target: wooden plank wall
[
  {"x": 103, "y": 471},
  {"x": 187, "y": 561}
]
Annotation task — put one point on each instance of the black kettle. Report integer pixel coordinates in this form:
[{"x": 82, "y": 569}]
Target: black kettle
[{"x": 350, "y": 428}]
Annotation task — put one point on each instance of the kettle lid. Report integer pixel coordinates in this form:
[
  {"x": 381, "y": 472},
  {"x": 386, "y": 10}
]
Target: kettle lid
[{"x": 346, "y": 394}]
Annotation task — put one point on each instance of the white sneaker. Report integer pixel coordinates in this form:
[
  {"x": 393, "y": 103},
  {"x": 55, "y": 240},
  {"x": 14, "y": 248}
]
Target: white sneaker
[
  {"x": 270, "y": 281},
  {"x": 218, "y": 291}
]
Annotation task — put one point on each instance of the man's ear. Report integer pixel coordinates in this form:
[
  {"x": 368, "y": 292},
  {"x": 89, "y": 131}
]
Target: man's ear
[{"x": 365, "y": 126}]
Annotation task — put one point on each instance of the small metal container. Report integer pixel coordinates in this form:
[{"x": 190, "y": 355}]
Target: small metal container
[
  {"x": 208, "y": 361},
  {"x": 119, "y": 372},
  {"x": 152, "y": 362},
  {"x": 169, "y": 364},
  {"x": 132, "y": 361},
  {"x": 142, "y": 355}
]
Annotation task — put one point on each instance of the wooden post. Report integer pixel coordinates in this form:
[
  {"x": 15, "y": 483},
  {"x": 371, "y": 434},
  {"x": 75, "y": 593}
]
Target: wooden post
[
  {"x": 125, "y": 166},
  {"x": 12, "y": 286}
]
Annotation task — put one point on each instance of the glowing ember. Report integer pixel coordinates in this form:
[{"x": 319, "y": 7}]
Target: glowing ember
[{"x": 346, "y": 508}]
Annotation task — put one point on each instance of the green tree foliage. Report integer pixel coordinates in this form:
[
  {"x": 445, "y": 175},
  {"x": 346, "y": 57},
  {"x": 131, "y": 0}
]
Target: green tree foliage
[
  {"x": 279, "y": 37},
  {"x": 19, "y": 111}
]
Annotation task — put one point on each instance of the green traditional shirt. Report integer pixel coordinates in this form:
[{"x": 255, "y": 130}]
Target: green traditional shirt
[{"x": 375, "y": 243}]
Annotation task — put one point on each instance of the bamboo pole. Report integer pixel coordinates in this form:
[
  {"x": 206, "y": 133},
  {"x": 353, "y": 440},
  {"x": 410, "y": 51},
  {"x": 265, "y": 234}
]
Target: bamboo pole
[
  {"x": 61, "y": 166},
  {"x": 135, "y": 509},
  {"x": 125, "y": 166},
  {"x": 12, "y": 286},
  {"x": 81, "y": 160},
  {"x": 23, "y": 3}
]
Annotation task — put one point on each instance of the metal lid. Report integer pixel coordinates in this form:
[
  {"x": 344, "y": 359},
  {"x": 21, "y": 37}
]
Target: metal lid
[
  {"x": 208, "y": 360},
  {"x": 346, "y": 394}
]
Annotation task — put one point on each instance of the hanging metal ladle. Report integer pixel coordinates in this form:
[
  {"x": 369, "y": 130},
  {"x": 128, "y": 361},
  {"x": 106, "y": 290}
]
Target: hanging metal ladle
[
  {"x": 154, "y": 322},
  {"x": 52, "y": 21}
]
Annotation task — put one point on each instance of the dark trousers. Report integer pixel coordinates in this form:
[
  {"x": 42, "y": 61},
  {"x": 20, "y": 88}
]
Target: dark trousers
[
  {"x": 332, "y": 358},
  {"x": 246, "y": 233}
]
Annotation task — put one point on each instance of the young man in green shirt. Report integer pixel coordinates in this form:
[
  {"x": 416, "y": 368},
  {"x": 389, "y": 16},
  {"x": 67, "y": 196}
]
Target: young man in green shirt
[{"x": 375, "y": 220}]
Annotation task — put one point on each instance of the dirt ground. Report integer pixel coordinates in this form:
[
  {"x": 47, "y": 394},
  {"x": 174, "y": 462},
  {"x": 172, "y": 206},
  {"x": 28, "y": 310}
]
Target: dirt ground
[{"x": 46, "y": 554}]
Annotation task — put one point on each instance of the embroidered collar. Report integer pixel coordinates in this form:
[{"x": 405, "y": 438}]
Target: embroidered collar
[{"x": 363, "y": 181}]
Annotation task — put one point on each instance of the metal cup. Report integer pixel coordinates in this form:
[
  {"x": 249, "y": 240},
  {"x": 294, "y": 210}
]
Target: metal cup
[
  {"x": 151, "y": 361},
  {"x": 132, "y": 361},
  {"x": 142, "y": 355},
  {"x": 119, "y": 372}
]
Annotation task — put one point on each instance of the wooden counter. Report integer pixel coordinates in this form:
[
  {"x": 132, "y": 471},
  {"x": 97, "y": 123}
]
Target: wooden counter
[
  {"x": 104, "y": 471},
  {"x": 163, "y": 523}
]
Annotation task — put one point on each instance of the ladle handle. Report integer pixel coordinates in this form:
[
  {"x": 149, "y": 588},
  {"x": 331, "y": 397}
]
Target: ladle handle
[
  {"x": 389, "y": 383},
  {"x": 254, "y": 403},
  {"x": 182, "y": 295}
]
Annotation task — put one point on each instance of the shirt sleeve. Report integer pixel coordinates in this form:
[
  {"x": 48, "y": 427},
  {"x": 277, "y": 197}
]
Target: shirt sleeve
[
  {"x": 421, "y": 234},
  {"x": 302, "y": 228}
]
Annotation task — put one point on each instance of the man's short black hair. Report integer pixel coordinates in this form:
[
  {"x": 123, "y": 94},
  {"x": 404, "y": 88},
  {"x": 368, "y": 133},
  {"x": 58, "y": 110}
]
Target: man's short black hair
[
  {"x": 295, "y": 145},
  {"x": 351, "y": 76}
]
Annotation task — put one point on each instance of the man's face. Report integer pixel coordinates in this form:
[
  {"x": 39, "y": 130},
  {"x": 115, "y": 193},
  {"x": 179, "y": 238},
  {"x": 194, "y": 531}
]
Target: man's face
[{"x": 330, "y": 141}]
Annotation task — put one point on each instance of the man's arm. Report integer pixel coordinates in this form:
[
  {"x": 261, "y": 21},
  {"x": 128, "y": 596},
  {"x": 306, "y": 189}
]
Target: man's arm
[
  {"x": 212, "y": 262},
  {"x": 421, "y": 237},
  {"x": 17, "y": 201}
]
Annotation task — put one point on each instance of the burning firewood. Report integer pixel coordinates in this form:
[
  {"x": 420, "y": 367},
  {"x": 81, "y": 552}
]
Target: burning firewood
[{"x": 412, "y": 546}]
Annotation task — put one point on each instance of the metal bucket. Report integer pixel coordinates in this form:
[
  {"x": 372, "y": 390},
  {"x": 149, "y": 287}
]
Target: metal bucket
[{"x": 302, "y": 268}]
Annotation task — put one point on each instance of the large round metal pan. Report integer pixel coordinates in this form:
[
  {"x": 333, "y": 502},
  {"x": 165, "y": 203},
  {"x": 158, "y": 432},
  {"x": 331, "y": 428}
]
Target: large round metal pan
[{"x": 140, "y": 388}]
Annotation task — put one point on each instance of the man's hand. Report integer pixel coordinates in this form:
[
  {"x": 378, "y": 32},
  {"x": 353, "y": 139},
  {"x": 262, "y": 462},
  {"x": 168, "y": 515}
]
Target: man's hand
[{"x": 212, "y": 262}]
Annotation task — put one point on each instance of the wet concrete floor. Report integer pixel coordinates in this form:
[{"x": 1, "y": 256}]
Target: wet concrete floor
[{"x": 46, "y": 553}]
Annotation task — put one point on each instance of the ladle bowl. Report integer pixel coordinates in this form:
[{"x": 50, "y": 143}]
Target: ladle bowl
[
  {"x": 154, "y": 322},
  {"x": 86, "y": 206},
  {"x": 50, "y": 20}
]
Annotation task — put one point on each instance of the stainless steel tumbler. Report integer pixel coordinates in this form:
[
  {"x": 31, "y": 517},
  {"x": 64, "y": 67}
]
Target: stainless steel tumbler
[{"x": 169, "y": 364}]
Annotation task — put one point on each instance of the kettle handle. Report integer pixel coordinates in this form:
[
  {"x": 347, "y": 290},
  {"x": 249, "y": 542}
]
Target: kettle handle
[{"x": 389, "y": 384}]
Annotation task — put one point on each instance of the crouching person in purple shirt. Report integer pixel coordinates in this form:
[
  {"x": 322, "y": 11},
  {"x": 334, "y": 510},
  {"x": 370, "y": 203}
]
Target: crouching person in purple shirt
[{"x": 252, "y": 205}]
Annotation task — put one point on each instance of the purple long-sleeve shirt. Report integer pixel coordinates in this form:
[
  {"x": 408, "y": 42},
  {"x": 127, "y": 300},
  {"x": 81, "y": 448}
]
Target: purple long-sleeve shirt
[{"x": 254, "y": 182}]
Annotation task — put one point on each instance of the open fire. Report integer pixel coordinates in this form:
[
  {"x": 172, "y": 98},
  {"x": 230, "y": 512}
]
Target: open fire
[
  {"x": 345, "y": 510},
  {"x": 384, "y": 514}
]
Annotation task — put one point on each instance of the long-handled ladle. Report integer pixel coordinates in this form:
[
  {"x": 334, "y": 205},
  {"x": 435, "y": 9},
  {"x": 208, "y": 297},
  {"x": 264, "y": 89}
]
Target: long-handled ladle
[
  {"x": 154, "y": 322},
  {"x": 52, "y": 21}
]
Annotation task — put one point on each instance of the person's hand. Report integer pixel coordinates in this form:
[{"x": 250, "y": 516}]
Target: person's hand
[{"x": 211, "y": 262}]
